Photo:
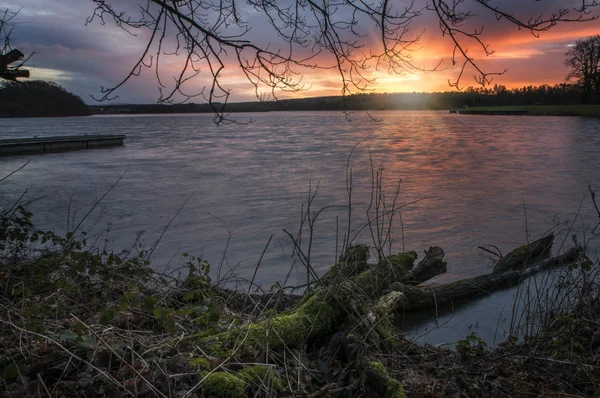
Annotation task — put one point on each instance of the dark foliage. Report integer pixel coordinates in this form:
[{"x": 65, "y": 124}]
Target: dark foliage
[
  {"x": 560, "y": 94},
  {"x": 39, "y": 99},
  {"x": 583, "y": 59}
]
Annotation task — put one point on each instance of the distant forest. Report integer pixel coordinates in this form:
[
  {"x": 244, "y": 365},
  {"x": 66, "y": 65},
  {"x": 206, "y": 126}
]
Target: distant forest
[
  {"x": 47, "y": 99},
  {"x": 560, "y": 94},
  {"x": 39, "y": 99}
]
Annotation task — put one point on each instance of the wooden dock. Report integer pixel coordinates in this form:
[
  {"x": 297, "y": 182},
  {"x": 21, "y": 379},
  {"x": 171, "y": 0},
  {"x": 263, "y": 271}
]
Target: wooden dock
[{"x": 21, "y": 146}]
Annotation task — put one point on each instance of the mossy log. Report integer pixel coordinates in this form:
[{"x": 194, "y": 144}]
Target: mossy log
[
  {"x": 526, "y": 254},
  {"x": 381, "y": 382},
  {"x": 431, "y": 265},
  {"x": 355, "y": 293},
  {"x": 408, "y": 298},
  {"x": 325, "y": 307},
  {"x": 241, "y": 384}
]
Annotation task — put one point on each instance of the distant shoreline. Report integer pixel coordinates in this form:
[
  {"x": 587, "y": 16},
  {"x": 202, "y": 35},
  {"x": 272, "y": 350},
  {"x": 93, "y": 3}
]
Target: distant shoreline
[
  {"x": 567, "y": 95},
  {"x": 533, "y": 110},
  {"x": 525, "y": 110}
]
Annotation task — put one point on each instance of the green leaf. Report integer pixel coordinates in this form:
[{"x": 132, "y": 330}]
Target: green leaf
[
  {"x": 149, "y": 304},
  {"x": 17, "y": 290},
  {"x": 170, "y": 326},
  {"x": 214, "y": 316},
  {"x": 162, "y": 313},
  {"x": 35, "y": 327},
  {"x": 123, "y": 305},
  {"x": 190, "y": 296},
  {"x": 107, "y": 315},
  {"x": 12, "y": 371},
  {"x": 87, "y": 343},
  {"x": 200, "y": 310},
  {"x": 67, "y": 335},
  {"x": 79, "y": 329}
]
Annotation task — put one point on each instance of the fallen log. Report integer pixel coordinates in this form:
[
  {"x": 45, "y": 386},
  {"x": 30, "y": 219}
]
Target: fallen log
[
  {"x": 352, "y": 302},
  {"x": 324, "y": 308},
  {"x": 408, "y": 298},
  {"x": 433, "y": 264},
  {"x": 526, "y": 254}
]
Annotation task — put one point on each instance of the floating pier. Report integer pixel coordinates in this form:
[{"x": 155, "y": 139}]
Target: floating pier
[{"x": 20, "y": 146}]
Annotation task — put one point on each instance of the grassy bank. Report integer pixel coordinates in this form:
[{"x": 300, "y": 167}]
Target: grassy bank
[
  {"x": 79, "y": 321},
  {"x": 538, "y": 110}
]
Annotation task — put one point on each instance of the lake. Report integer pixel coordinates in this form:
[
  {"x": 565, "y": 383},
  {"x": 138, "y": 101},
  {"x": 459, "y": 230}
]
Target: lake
[{"x": 476, "y": 180}]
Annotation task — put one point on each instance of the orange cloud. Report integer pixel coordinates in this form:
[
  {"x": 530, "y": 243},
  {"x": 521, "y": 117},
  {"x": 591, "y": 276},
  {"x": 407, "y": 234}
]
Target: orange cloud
[{"x": 529, "y": 60}]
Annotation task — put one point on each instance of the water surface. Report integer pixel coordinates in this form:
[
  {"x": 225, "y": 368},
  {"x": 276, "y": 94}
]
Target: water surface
[{"x": 476, "y": 176}]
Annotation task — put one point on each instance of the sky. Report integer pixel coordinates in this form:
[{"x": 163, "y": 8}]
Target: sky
[{"x": 83, "y": 58}]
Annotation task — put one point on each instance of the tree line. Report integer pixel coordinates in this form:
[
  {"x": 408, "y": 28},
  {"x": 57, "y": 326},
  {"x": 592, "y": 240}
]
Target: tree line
[
  {"x": 498, "y": 95},
  {"x": 583, "y": 59},
  {"x": 39, "y": 99}
]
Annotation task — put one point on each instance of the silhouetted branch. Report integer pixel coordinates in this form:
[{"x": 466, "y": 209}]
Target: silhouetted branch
[
  {"x": 9, "y": 55},
  {"x": 214, "y": 36}
]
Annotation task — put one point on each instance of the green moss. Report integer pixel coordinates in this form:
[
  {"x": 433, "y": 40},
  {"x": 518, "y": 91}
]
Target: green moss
[
  {"x": 351, "y": 263},
  {"x": 223, "y": 385},
  {"x": 374, "y": 280},
  {"x": 317, "y": 314},
  {"x": 526, "y": 254},
  {"x": 315, "y": 317},
  {"x": 217, "y": 348},
  {"x": 402, "y": 262},
  {"x": 521, "y": 250},
  {"x": 201, "y": 363},
  {"x": 262, "y": 375},
  {"x": 355, "y": 254},
  {"x": 383, "y": 383}
]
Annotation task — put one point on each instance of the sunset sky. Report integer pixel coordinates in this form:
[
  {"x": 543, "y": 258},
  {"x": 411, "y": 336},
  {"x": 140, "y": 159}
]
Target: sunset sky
[{"x": 84, "y": 58}]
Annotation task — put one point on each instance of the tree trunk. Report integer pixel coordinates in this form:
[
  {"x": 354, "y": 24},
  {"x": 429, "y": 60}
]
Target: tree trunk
[
  {"x": 323, "y": 309},
  {"x": 409, "y": 298},
  {"x": 359, "y": 297},
  {"x": 354, "y": 290},
  {"x": 526, "y": 254}
]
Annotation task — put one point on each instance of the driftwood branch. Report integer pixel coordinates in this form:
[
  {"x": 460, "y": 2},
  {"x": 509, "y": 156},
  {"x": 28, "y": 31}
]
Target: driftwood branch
[
  {"x": 402, "y": 297},
  {"x": 431, "y": 265},
  {"x": 525, "y": 255}
]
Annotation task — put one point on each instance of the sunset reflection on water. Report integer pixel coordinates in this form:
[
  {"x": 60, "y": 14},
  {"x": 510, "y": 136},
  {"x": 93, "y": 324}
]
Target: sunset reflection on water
[{"x": 474, "y": 175}]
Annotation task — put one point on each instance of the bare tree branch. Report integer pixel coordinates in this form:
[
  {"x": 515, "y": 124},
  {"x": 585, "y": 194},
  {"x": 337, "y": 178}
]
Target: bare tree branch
[
  {"x": 215, "y": 36},
  {"x": 9, "y": 55}
]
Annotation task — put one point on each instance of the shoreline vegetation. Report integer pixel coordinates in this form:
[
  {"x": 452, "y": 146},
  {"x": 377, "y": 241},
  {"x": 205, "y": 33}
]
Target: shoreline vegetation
[
  {"x": 76, "y": 320},
  {"x": 538, "y": 97},
  {"x": 38, "y": 98},
  {"x": 47, "y": 99},
  {"x": 535, "y": 110}
]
